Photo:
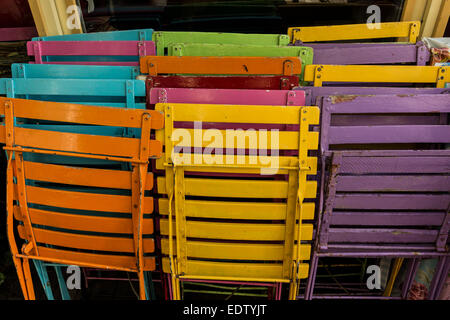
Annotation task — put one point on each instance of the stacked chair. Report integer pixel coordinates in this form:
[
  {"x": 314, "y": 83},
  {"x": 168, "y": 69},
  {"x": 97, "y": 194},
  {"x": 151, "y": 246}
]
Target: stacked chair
[
  {"x": 92, "y": 84},
  {"x": 232, "y": 164}
]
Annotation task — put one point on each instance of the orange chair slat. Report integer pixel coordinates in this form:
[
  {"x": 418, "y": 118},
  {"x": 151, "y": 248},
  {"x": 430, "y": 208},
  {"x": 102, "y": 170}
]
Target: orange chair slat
[
  {"x": 101, "y": 178},
  {"x": 85, "y": 242},
  {"x": 75, "y": 142},
  {"x": 79, "y": 258},
  {"x": 83, "y": 222},
  {"x": 82, "y": 114},
  {"x": 83, "y": 200},
  {"x": 155, "y": 65}
]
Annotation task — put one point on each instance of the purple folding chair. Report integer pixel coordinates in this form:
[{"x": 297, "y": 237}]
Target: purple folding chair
[
  {"x": 114, "y": 53},
  {"x": 386, "y": 174},
  {"x": 368, "y": 53}
]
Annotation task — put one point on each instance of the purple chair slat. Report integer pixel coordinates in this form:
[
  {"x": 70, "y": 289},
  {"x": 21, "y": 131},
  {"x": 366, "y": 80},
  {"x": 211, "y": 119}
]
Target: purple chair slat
[
  {"x": 368, "y": 53},
  {"x": 382, "y": 163},
  {"x": 369, "y": 218},
  {"x": 384, "y": 183},
  {"x": 39, "y": 49},
  {"x": 431, "y": 103},
  {"x": 313, "y": 92},
  {"x": 227, "y": 96},
  {"x": 377, "y": 251},
  {"x": 385, "y": 119},
  {"x": 389, "y": 134},
  {"x": 354, "y": 235},
  {"x": 380, "y": 201}
]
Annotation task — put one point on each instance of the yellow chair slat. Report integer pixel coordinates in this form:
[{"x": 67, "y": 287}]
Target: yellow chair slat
[
  {"x": 409, "y": 29},
  {"x": 236, "y": 251},
  {"x": 236, "y": 210}
]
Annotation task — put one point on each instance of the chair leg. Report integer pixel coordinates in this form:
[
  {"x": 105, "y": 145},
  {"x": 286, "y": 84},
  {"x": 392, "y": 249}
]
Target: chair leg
[
  {"x": 167, "y": 278},
  {"x": 21, "y": 276},
  {"x": 293, "y": 289},
  {"x": 149, "y": 286},
  {"x": 28, "y": 279},
  {"x": 62, "y": 284},
  {"x": 440, "y": 266},
  {"x": 411, "y": 273},
  {"x": 175, "y": 288},
  {"x": 312, "y": 277},
  {"x": 43, "y": 277},
  {"x": 142, "y": 288}
]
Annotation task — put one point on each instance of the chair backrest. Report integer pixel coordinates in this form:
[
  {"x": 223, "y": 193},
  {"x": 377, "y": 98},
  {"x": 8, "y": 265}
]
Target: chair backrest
[
  {"x": 318, "y": 74},
  {"x": 113, "y": 93},
  {"x": 384, "y": 121},
  {"x": 226, "y": 96},
  {"x": 58, "y": 71},
  {"x": 312, "y": 93},
  {"x": 409, "y": 29},
  {"x": 124, "y": 35},
  {"x": 116, "y": 53},
  {"x": 163, "y": 39},
  {"x": 257, "y": 214},
  {"x": 155, "y": 65},
  {"x": 369, "y": 53},
  {"x": 216, "y": 96},
  {"x": 387, "y": 201},
  {"x": 220, "y": 82},
  {"x": 81, "y": 215}
]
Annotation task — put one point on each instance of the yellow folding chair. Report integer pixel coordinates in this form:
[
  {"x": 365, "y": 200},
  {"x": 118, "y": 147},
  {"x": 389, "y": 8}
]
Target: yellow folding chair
[{"x": 237, "y": 228}]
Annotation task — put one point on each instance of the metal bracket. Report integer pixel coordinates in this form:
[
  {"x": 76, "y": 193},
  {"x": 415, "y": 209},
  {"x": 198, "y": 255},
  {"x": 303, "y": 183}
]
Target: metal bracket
[
  {"x": 288, "y": 68},
  {"x": 152, "y": 69},
  {"x": 162, "y": 95},
  {"x": 283, "y": 39},
  {"x": 296, "y": 32},
  {"x": 290, "y": 97},
  {"x": 129, "y": 87},
  {"x": 440, "y": 81},
  {"x": 142, "y": 50},
  {"x": 177, "y": 50},
  {"x": 422, "y": 54},
  {"x": 318, "y": 76},
  {"x": 284, "y": 84},
  {"x": 37, "y": 51},
  {"x": 142, "y": 36},
  {"x": 413, "y": 32}
]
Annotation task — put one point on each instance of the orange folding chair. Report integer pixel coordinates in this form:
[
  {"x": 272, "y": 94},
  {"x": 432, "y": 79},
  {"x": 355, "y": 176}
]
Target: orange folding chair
[{"x": 74, "y": 215}]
